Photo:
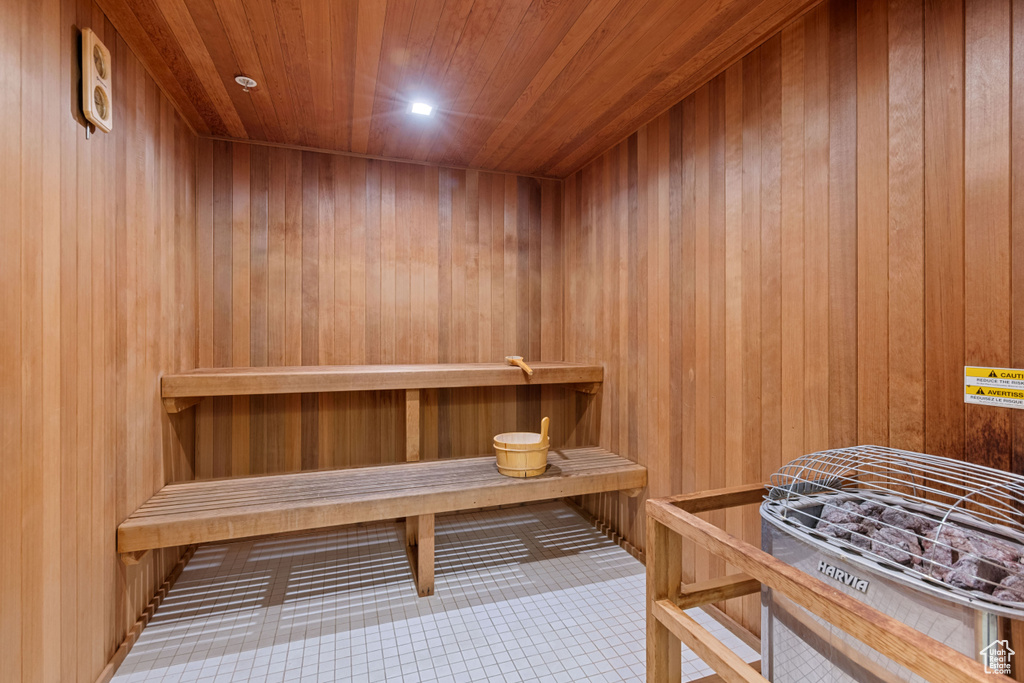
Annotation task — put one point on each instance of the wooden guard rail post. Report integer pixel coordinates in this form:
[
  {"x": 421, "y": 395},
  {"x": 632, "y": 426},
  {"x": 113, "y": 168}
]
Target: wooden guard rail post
[{"x": 669, "y": 520}]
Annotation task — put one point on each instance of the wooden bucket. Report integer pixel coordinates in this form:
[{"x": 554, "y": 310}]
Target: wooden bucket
[{"x": 522, "y": 454}]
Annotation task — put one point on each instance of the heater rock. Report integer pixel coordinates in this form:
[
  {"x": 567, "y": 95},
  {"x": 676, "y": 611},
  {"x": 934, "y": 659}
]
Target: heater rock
[
  {"x": 1011, "y": 588},
  {"x": 897, "y": 545},
  {"x": 842, "y": 531},
  {"x": 902, "y": 519},
  {"x": 974, "y": 573},
  {"x": 871, "y": 508},
  {"x": 861, "y": 541},
  {"x": 847, "y": 513},
  {"x": 994, "y": 549}
]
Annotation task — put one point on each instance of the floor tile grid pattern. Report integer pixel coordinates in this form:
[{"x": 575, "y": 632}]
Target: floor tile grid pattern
[{"x": 533, "y": 593}]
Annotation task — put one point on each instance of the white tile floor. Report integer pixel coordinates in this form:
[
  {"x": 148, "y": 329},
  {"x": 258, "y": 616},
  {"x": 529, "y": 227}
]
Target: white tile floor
[{"x": 525, "y": 594}]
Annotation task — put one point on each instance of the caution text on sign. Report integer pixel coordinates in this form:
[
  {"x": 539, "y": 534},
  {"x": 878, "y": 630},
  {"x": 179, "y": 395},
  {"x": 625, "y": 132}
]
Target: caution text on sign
[{"x": 1002, "y": 387}]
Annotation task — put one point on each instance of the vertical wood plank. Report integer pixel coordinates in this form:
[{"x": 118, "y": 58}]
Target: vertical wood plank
[
  {"x": 872, "y": 224},
  {"x": 842, "y": 221},
  {"x": 987, "y": 197},
  {"x": 792, "y": 241},
  {"x": 906, "y": 226}
]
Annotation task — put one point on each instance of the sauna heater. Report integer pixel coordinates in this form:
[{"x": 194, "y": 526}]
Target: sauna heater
[{"x": 935, "y": 543}]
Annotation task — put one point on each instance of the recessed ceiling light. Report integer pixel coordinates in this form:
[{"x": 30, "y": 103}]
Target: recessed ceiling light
[
  {"x": 246, "y": 82},
  {"x": 421, "y": 108}
]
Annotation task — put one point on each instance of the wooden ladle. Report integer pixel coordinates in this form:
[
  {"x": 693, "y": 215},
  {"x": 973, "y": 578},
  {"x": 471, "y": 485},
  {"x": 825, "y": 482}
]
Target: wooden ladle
[{"x": 518, "y": 360}]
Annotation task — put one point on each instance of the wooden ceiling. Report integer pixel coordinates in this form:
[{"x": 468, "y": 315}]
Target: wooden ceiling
[{"x": 530, "y": 86}]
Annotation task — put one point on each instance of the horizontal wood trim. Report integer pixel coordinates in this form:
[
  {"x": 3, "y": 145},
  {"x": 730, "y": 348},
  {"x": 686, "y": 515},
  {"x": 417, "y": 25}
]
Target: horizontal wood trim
[
  {"x": 719, "y": 499},
  {"x": 206, "y": 511},
  {"x": 715, "y": 654},
  {"x": 716, "y": 590},
  {"x": 901, "y": 643},
  {"x": 715, "y": 678},
  {"x": 336, "y": 378}
]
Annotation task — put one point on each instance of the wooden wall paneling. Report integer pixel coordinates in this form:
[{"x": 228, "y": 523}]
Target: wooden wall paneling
[
  {"x": 682, "y": 306},
  {"x": 97, "y": 299},
  {"x": 771, "y": 256},
  {"x": 291, "y": 455},
  {"x": 751, "y": 296},
  {"x": 842, "y": 221},
  {"x": 259, "y": 290},
  {"x": 906, "y": 225},
  {"x": 825, "y": 184},
  {"x": 204, "y": 284},
  {"x": 48, "y": 628},
  {"x": 732, "y": 292},
  {"x": 327, "y": 313},
  {"x": 872, "y": 224},
  {"x": 346, "y": 260},
  {"x": 792, "y": 240},
  {"x": 816, "y": 229},
  {"x": 1017, "y": 225},
  {"x": 944, "y": 227},
  {"x": 702, "y": 275},
  {"x": 11, "y": 561},
  {"x": 717, "y": 320},
  {"x": 310, "y": 313},
  {"x": 241, "y": 342},
  {"x": 987, "y": 229}
]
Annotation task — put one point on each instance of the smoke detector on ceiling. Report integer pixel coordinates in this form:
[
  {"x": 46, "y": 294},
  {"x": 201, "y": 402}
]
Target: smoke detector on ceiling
[{"x": 246, "y": 83}]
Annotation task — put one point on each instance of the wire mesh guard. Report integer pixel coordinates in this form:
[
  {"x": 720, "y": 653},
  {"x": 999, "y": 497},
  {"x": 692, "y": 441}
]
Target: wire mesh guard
[{"x": 947, "y": 524}]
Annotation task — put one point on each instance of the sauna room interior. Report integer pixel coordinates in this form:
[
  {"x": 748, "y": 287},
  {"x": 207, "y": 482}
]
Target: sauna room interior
[{"x": 511, "y": 340}]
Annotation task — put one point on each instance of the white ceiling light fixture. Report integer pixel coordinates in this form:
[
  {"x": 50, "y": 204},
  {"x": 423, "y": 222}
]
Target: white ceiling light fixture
[
  {"x": 421, "y": 108},
  {"x": 246, "y": 83}
]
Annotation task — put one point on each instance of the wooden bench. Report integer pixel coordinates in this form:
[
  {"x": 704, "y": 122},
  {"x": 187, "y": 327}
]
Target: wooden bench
[
  {"x": 181, "y": 391},
  {"x": 228, "y": 509}
]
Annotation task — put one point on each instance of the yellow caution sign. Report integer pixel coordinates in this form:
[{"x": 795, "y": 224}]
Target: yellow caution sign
[
  {"x": 994, "y": 396},
  {"x": 1009, "y": 379},
  {"x": 1007, "y": 374}
]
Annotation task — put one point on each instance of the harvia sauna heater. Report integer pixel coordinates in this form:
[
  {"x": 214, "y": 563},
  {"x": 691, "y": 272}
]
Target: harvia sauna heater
[{"x": 933, "y": 542}]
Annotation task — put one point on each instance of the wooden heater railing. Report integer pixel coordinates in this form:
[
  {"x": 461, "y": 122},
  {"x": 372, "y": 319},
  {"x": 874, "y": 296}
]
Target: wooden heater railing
[{"x": 669, "y": 520}]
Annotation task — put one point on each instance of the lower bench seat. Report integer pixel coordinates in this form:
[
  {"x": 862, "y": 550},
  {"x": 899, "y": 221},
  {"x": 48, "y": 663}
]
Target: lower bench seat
[{"x": 227, "y": 509}]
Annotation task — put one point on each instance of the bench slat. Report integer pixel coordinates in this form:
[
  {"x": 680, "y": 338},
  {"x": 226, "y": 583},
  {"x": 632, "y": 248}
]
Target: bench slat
[
  {"x": 330, "y": 378},
  {"x": 221, "y": 510}
]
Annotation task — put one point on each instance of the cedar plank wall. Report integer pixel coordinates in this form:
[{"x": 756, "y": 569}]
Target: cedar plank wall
[
  {"x": 312, "y": 258},
  {"x": 805, "y": 252},
  {"x": 97, "y": 281}
]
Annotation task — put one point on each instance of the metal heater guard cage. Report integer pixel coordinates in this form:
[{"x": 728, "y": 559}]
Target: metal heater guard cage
[{"x": 669, "y": 520}]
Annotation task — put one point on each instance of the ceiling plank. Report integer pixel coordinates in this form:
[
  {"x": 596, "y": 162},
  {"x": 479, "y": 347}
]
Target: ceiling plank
[
  {"x": 538, "y": 87},
  {"x": 369, "y": 41},
  {"x": 184, "y": 30}
]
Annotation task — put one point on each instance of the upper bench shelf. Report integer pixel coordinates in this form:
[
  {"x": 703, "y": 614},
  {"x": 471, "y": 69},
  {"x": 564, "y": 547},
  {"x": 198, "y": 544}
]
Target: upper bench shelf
[{"x": 182, "y": 390}]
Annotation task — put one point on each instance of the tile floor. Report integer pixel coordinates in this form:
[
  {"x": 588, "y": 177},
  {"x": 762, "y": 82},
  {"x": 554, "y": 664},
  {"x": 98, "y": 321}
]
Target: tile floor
[{"x": 524, "y": 594}]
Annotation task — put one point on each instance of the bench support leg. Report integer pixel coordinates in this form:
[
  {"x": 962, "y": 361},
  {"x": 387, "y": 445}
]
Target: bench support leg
[{"x": 419, "y": 546}]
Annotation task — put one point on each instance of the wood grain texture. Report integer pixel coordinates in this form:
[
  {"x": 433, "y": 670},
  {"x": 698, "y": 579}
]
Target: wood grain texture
[
  {"x": 241, "y": 380},
  {"x": 987, "y": 201},
  {"x": 97, "y": 266},
  {"x": 526, "y": 87},
  {"x": 224, "y": 509},
  {"x": 334, "y": 259},
  {"x": 844, "y": 252}
]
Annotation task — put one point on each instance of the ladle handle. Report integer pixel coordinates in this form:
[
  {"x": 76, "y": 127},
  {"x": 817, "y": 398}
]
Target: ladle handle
[
  {"x": 518, "y": 360},
  {"x": 544, "y": 430}
]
